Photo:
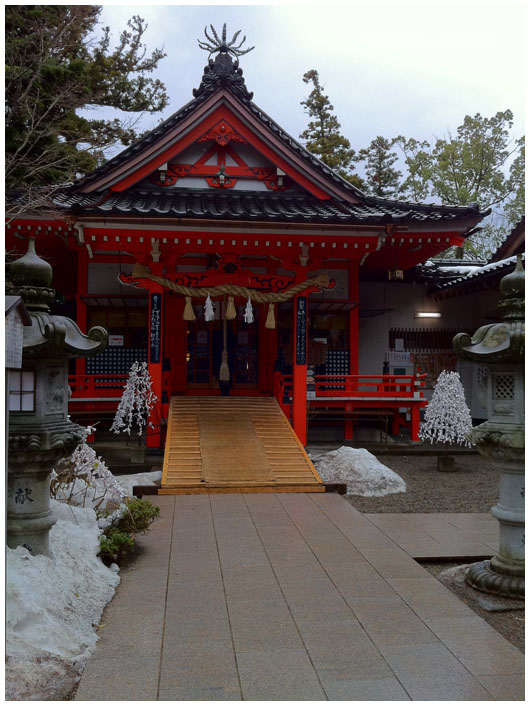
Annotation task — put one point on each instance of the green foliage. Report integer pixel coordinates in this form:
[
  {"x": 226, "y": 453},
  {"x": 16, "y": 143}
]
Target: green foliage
[
  {"x": 416, "y": 185},
  {"x": 138, "y": 516},
  {"x": 381, "y": 177},
  {"x": 515, "y": 207},
  {"x": 322, "y": 135},
  {"x": 480, "y": 164},
  {"x": 114, "y": 544},
  {"x": 54, "y": 69},
  {"x": 469, "y": 168},
  {"x": 118, "y": 538}
]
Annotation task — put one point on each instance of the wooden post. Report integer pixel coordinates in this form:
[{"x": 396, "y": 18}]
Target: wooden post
[
  {"x": 81, "y": 316},
  {"x": 354, "y": 318},
  {"x": 155, "y": 353},
  {"x": 353, "y": 297},
  {"x": 268, "y": 350},
  {"x": 415, "y": 423},
  {"x": 300, "y": 367}
]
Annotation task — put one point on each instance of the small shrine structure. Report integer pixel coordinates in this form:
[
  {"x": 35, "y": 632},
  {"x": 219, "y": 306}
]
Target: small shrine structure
[{"x": 219, "y": 205}]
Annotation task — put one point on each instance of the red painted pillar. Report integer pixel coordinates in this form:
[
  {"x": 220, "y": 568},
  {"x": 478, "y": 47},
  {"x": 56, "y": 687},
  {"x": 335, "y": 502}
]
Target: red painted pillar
[
  {"x": 353, "y": 297},
  {"x": 268, "y": 350},
  {"x": 155, "y": 356},
  {"x": 354, "y": 318},
  {"x": 414, "y": 423},
  {"x": 81, "y": 308},
  {"x": 300, "y": 367}
]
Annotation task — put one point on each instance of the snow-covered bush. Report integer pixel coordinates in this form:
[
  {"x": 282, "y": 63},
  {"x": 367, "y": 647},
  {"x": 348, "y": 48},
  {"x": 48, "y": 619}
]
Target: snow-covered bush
[
  {"x": 447, "y": 417},
  {"x": 137, "y": 401},
  {"x": 83, "y": 479}
]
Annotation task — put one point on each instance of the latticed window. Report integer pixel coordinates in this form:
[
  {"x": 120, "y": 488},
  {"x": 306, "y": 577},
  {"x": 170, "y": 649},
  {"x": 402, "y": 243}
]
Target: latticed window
[
  {"x": 21, "y": 391},
  {"x": 503, "y": 387}
]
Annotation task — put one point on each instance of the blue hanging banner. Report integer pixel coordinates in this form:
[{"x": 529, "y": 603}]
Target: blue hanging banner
[
  {"x": 155, "y": 328},
  {"x": 301, "y": 330}
]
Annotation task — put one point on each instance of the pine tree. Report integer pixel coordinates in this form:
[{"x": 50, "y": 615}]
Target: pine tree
[
  {"x": 447, "y": 417},
  {"x": 381, "y": 177},
  {"x": 54, "y": 69},
  {"x": 322, "y": 135}
]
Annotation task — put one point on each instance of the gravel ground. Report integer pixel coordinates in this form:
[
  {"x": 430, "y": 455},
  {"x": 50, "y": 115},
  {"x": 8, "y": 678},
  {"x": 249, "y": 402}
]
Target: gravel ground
[{"x": 472, "y": 487}]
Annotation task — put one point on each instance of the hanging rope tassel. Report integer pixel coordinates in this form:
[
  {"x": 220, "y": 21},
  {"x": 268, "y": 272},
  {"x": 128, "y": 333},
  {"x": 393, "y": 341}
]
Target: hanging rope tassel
[
  {"x": 224, "y": 371},
  {"x": 271, "y": 322},
  {"x": 209, "y": 313},
  {"x": 230, "y": 309},
  {"x": 249, "y": 313},
  {"x": 189, "y": 314}
]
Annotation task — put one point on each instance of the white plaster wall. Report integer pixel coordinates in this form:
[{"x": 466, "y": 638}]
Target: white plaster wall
[{"x": 466, "y": 312}]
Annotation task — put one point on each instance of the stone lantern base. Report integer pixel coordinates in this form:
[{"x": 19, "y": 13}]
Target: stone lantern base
[{"x": 484, "y": 577}]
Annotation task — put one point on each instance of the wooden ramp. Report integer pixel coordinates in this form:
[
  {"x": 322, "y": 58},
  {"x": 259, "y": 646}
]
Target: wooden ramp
[{"x": 233, "y": 445}]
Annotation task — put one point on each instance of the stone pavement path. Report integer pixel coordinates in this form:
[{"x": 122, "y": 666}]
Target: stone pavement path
[
  {"x": 288, "y": 597},
  {"x": 441, "y": 535}
]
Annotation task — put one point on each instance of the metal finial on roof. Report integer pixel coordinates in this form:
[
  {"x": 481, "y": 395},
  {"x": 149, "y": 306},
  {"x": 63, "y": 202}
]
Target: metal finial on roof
[{"x": 216, "y": 44}]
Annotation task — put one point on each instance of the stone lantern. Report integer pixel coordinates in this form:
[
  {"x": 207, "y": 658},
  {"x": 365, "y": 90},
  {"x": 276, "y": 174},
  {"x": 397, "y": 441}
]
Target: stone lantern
[
  {"x": 500, "y": 347},
  {"x": 40, "y": 432}
]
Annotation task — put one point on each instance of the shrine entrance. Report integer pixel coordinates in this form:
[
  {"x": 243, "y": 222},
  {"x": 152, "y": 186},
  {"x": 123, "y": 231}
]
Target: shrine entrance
[{"x": 205, "y": 343}]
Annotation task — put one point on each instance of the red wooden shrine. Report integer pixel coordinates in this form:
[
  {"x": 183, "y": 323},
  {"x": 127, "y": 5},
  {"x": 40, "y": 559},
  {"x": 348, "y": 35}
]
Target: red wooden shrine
[{"x": 219, "y": 195}]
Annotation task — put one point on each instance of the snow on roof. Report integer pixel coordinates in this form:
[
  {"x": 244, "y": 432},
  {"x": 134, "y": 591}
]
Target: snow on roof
[{"x": 481, "y": 271}]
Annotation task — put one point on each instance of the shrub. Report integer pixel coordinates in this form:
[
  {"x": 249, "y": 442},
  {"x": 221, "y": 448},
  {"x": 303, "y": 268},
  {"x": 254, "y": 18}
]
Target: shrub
[
  {"x": 132, "y": 518},
  {"x": 138, "y": 516},
  {"x": 114, "y": 543}
]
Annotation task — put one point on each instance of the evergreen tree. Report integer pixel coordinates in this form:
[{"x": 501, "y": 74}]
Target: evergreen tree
[
  {"x": 54, "y": 69},
  {"x": 381, "y": 177},
  {"x": 322, "y": 135},
  {"x": 481, "y": 164}
]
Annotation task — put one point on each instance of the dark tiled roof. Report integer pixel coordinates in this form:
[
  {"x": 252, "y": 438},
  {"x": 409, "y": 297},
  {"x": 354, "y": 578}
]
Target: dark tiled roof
[
  {"x": 248, "y": 205},
  {"x": 493, "y": 268},
  {"x": 216, "y": 75},
  {"x": 181, "y": 203}
]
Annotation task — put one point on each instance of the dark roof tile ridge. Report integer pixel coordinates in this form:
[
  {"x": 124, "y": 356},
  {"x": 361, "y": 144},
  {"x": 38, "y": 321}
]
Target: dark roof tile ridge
[{"x": 445, "y": 208}]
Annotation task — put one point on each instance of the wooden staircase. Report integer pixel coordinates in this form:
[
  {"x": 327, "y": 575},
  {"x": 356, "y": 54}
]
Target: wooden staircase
[{"x": 233, "y": 445}]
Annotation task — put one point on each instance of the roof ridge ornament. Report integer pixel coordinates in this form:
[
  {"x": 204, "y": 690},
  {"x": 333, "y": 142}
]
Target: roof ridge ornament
[
  {"x": 223, "y": 71},
  {"x": 215, "y": 44}
]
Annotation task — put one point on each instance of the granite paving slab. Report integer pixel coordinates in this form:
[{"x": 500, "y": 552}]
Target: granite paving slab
[
  {"x": 294, "y": 597},
  {"x": 441, "y": 535}
]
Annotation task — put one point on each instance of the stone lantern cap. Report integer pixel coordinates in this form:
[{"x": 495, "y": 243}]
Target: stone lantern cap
[
  {"x": 48, "y": 335},
  {"x": 501, "y": 342}
]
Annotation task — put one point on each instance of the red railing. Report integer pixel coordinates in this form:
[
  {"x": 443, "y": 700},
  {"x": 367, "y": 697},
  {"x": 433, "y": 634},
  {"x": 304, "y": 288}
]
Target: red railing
[
  {"x": 90, "y": 386},
  {"x": 363, "y": 386},
  {"x": 369, "y": 386}
]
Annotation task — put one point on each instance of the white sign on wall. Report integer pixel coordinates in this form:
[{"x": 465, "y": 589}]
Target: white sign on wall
[{"x": 115, "y": 340}]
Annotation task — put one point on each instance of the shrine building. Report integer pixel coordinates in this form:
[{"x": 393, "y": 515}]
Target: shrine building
[{"x": 238, "y": 265}]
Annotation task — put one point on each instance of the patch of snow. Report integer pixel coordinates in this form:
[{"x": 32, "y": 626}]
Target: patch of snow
[
  {"x": 360, "y": 470},
  {"x": 128, "y": 482},
  {"x": 52, "y": 606}
]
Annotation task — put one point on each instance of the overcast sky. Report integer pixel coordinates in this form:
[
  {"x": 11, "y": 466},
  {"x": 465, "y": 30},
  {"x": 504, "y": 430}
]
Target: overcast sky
[{"x": 388, "y": 68}]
